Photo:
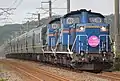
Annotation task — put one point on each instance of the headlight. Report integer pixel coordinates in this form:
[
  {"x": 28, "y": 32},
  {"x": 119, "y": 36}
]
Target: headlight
[
  {"x": 82, "y": 28},
  {"x": 103, "y": 28},
  {"x": 82, "y": 53}
]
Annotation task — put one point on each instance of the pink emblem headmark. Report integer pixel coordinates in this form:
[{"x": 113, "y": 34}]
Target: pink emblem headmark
[{"x": 93, "y": 41}]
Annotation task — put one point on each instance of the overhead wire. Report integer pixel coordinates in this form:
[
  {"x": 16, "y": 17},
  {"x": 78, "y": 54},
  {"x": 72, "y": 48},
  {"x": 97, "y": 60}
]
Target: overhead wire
[
  {"x": 54, "y": 1},
  {"x": 19, "y": 3},
  {"x": 15, "y": 1},
  {"x": 9, "y": 8},
  {"x": 48, "y": 11}
]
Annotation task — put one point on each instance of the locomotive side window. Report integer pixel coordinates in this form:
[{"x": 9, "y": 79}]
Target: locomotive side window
[
  {"x": 73, "y": 20},
  {"x": 95, "y": 20}
]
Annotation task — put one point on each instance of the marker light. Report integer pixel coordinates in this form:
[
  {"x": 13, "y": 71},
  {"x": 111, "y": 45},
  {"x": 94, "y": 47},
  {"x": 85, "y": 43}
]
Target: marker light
[
  {"x": 103, "y": 29},
  {"x": 82, "y": 28}
]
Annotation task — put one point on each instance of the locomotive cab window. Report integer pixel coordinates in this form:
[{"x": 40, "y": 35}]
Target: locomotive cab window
[
  {"x": 95, "y": 20},
  {"x": 73, "y": 20}
]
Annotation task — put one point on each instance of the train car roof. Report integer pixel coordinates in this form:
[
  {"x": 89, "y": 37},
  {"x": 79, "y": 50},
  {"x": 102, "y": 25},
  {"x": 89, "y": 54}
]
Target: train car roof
[
  {"x": 82, "y": 10},
  {"x": 54, "y": 20},
  {"x": 28, "y": 33}
]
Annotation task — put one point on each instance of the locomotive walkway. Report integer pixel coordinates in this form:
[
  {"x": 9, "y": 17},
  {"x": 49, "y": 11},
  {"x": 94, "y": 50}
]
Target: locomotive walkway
[{"x": 30, "y": 73}]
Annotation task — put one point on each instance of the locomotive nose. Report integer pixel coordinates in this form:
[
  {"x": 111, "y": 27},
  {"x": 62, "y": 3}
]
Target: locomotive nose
[{"x": 93, "y": 41}]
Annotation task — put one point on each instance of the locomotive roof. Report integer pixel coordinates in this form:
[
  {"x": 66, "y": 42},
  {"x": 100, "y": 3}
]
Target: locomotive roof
[
  {"x": 82, "y": 10},
  {"x": 56, "y": 19}
]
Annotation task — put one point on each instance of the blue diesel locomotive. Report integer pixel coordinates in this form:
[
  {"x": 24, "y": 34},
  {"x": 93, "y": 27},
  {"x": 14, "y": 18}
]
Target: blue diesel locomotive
[{"x": 79, "y": 39}]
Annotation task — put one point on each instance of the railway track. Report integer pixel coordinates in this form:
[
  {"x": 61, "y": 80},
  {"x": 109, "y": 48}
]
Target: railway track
[
  {"x": 110, "y": 75},
  {"x": 33, "y": 74},
  {"x": 106, "y": 75}
]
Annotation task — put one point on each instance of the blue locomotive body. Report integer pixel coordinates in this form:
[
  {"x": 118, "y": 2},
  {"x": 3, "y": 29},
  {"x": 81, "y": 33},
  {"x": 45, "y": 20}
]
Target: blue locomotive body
[
  {"x": 78, "y": 26},
  {"x": 53, "y": 30},
  {"x": 86, "y": 36}
]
